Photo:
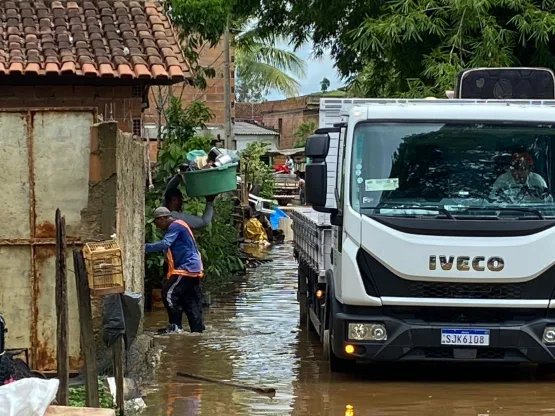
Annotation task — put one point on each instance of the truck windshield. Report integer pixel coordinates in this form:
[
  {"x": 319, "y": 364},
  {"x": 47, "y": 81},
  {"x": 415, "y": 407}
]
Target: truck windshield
[{"x": 462, "y": 169}]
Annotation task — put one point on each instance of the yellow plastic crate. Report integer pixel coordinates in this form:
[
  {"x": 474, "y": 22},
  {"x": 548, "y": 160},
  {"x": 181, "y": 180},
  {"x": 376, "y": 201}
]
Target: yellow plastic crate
[{"x": 104, "y": 267}]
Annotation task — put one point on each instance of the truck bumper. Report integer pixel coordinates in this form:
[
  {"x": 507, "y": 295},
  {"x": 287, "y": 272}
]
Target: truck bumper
[{"x": 406, "y": 341}]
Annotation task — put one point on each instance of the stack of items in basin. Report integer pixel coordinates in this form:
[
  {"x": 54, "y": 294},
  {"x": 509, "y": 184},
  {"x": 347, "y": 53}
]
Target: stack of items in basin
[{"x": 210, "y": 174}]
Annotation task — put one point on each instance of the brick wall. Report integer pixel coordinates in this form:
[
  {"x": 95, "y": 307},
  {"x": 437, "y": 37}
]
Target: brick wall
[
  {"x": 249, "y": 112},
  {"x": 287, "y": 115},
  {"x": 111, "y": 102},
  {"x": 289, "y": 104},
  {"x": 213, "y": 95}
]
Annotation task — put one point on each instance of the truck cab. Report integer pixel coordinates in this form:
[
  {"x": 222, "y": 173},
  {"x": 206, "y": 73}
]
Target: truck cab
[{"x": 443, "y": 232}]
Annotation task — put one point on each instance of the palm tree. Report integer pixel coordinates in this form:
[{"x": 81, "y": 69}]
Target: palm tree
[{"x": 258, "y": 62}]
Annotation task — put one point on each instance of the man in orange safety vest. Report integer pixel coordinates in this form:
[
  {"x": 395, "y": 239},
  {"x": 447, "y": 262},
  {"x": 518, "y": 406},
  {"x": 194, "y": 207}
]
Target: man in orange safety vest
[{"x": 180, "y": 290}]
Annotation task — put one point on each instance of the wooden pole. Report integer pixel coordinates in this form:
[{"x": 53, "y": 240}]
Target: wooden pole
[
  {"x": 61, "y": 310},
  {"x": 117, "y": 350},
  {"x": 88, "y": 348},
  {"x": 227, "y": 88},
  {"x": 260, "y": 390}
]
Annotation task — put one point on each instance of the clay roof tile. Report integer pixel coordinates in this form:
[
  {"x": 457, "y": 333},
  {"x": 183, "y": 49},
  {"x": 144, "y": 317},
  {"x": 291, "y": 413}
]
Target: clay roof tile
[
  {"x": 16, "y": 68},
  {"x": 96, "y": 38},
  {"x": 125, "y": 71},
  {"x": 176, "y": 73},
  {"x": 52, "y": 69},
  {"x": 32, "y": 69}
]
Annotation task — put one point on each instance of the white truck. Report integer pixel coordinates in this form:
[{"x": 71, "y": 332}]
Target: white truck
[{"x": 440, "y": 240}]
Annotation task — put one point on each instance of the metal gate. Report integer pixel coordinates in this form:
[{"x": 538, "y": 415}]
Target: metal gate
[{"x": 45, "y": 165}]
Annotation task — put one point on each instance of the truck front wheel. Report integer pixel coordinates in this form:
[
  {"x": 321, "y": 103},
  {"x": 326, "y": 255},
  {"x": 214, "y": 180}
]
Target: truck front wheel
[
  {"x": 336, "y": 364},
  {"x": 303, "y": 310}
]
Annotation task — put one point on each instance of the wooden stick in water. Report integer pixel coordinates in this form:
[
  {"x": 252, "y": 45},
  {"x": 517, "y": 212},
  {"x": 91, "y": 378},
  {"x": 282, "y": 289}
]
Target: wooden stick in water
[
  {"x": 62, "y": 353},
  {"x": 265, "y": 391}
]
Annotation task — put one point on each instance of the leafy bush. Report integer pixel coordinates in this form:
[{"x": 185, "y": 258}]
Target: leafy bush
[
  {"x": 77, "y": 396},
  {"x": 217, "y": 241},
  {"x": 255, "y": 170},
  {"x": 218, "y": 246},
  {"x": 302, "y": 133}
]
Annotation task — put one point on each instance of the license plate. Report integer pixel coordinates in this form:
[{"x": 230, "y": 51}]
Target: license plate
[{"x": 474, "y": 337}]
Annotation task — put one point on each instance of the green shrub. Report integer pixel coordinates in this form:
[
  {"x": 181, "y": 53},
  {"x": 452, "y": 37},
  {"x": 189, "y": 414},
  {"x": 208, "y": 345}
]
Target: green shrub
[
  {"x": 77, "y": 396},
  {"x": 217, "y": 241},
  {"x": 255, "y": 171}
]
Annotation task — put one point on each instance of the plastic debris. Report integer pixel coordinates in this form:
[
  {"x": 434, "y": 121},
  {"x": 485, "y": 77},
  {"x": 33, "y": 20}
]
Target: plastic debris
[{"x": 29, "y": 396}]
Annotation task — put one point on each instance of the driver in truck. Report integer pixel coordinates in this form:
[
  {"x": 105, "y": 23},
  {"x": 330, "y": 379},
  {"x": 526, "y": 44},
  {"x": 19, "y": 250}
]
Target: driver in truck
[{"x": 519, "y": 183}]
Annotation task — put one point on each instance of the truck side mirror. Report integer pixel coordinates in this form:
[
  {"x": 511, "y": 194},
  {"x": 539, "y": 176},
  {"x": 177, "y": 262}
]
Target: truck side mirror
[
  {"x": 316, "y": 184},
  {"x": 317, "y": 146}
]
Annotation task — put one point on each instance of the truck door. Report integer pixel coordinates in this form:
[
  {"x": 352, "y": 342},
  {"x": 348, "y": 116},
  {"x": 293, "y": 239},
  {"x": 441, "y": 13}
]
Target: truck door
[{"x": 339, "y": 197}]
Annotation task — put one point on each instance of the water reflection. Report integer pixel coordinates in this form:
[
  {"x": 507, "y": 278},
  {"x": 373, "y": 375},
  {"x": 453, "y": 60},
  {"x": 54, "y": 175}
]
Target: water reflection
[{"x": 253, "y": 338}]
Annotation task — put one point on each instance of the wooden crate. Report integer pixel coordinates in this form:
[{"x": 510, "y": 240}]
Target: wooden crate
[{"x": 104, "y": 267}]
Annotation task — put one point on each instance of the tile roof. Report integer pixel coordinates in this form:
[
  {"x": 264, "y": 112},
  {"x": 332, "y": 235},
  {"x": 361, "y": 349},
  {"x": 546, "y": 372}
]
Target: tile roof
[
  {"x": 242, "y": 128},
  {"x": 90, "y": 38}
]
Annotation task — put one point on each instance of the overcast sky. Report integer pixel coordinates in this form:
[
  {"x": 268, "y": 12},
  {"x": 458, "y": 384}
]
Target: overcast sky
[{"x": 316, "y": 70}]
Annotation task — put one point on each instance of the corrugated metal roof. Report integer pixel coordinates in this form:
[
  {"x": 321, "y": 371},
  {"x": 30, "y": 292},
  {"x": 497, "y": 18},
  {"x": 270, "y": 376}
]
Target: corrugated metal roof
[
  {"x": 286, "y": 152},
  {"x": 242, "y": 128}
]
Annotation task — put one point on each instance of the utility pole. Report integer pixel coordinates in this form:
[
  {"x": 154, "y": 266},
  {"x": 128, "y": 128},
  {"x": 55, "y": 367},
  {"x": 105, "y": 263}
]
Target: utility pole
[{"x": 227, "y": 88}]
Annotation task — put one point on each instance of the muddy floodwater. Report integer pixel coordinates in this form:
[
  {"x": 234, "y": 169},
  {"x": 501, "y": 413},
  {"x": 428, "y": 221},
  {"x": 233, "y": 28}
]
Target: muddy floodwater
[{"x": 253, "y": 338}]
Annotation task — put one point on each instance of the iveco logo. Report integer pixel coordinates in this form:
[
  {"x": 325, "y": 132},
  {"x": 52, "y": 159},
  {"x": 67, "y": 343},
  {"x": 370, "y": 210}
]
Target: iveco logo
[{"x": 464, "y": 263}]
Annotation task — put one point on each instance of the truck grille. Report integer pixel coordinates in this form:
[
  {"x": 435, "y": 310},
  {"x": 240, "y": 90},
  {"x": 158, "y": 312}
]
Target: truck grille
[
  {"x": 439, "y": 314},
  {"x": 464, "y": 290},
  {"x": 380, "y": 281},
  {"x": 447, "y": 353}
]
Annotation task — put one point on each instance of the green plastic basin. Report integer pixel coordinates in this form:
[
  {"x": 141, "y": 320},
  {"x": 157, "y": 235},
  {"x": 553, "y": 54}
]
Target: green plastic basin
[{"x": 211, "y": 181}]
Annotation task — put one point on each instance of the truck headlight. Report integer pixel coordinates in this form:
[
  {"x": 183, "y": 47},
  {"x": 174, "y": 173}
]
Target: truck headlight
[
  {"x": 366, "y": 332},
  {"x": 549, "y": 335}
]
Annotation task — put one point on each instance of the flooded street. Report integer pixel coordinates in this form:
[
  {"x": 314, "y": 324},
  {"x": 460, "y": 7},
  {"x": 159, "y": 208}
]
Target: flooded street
[{"x": 253, "y": 338}]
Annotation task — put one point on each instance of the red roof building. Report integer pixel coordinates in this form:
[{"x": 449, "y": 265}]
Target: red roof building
[{"x": 87, "y": 53}]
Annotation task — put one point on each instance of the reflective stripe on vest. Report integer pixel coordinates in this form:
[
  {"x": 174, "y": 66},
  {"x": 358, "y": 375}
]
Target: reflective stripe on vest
[{"x": 169, "y": 258}]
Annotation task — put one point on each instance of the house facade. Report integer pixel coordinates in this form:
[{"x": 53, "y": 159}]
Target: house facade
[
  {"x": 246, "y": 133},
  {"x": 71, "y": 74},
  {"x": 212, "y": 96},
  {"x": 285, "y": 116}
]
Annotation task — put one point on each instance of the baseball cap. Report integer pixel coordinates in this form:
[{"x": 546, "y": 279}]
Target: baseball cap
[{"x": 161, "y": 212}]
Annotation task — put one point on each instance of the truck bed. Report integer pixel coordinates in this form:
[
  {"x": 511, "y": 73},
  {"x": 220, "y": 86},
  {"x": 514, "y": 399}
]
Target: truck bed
[{"x": 313, "y": 238}]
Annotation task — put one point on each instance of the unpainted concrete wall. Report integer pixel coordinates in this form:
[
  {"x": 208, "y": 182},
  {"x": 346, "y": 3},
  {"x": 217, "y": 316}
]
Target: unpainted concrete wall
[
  {"x": 117, "y": 180},
  {"x": 117, "y": 195},
  {"x": 130, "y": 213},
  {"x": 95, "y": 175}
]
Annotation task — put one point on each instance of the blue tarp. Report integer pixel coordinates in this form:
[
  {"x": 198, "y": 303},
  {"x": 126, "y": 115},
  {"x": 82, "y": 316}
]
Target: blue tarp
[{"x": 274, "y": 218}]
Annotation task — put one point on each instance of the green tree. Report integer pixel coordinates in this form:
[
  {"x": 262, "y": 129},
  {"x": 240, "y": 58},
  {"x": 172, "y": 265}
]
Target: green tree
[
  {"x": 247, "y": 92},
  {"x": 324, "y": 85},
  {"x": 326, "y": 24},
  {"x": 265, "y": 67},
  {"x": 255, "y": 171},
  {"x": 199, "y": 22},
  {"x": 217, "y": 241},
  {"x": 259, "y": 63},
  {"x": 416, "y": 47},
  {"x": 302, "y": 133}
]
